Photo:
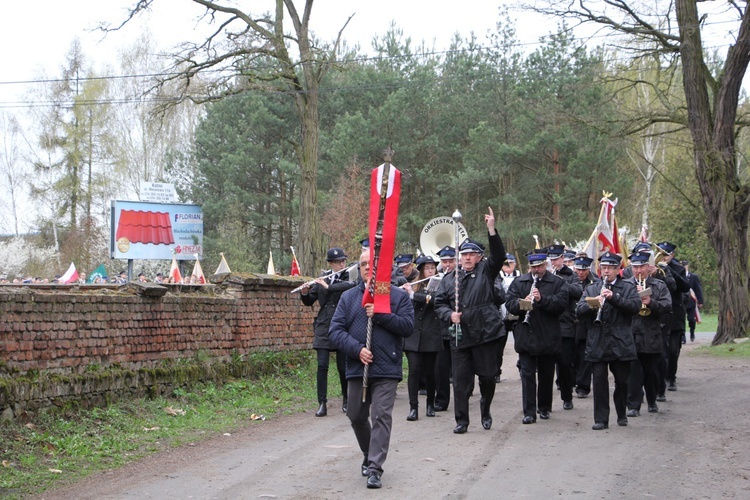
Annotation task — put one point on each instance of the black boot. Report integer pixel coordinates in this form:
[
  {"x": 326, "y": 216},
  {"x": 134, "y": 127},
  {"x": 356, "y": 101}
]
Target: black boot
[
  {"x": 412, "y": 415},
  {"x": 344, "y": 405},
  {"x": 322, "y": 410},
  {"x": 430, "y": 411}
]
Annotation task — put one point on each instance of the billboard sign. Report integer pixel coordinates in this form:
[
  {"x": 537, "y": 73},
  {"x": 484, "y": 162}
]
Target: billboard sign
[
  {"x": 158, "y": 192},
  {"x": 141, "y": 230}
]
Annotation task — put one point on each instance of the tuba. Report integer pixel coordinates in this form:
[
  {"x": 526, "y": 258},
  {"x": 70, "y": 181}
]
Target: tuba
[{"x": 438, "y": 233}]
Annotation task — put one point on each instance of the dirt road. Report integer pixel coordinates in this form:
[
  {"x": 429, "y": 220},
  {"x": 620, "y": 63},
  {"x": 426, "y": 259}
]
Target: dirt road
[{"x": 698, "y": 446}]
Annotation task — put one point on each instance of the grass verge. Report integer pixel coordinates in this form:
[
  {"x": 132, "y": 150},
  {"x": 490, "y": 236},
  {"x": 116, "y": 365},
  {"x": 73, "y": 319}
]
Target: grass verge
[{"x": 56, "y": 447}]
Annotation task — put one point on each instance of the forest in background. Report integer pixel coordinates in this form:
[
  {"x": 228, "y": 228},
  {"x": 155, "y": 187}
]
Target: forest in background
[{"x": 538, "y": 135}]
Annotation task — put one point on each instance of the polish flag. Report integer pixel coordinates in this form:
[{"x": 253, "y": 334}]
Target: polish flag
[
  {"x": 71, "y": 275},
  {"x": 174, "y": 271},
  {"x": 197, "y": 276}
]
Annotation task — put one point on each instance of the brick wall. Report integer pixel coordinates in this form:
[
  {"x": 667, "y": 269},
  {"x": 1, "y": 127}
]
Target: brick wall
[{"x": 64, "y": 329}]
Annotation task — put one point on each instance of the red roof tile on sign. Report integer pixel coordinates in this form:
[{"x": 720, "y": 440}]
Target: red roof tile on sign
[{"x": 145, "y": 227}]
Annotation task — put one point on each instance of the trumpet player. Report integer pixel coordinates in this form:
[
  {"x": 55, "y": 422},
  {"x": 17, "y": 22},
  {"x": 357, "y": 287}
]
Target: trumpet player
[
  {"x": 610, "y": 342},
  {"x": 656, "y": 304},
  {"x": 537, "y": 337},
  {"x": 583, "y": 373}
]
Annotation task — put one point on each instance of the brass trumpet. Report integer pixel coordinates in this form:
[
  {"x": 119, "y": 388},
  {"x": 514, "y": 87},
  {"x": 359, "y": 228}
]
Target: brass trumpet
[{"x": 643, "y": 292}]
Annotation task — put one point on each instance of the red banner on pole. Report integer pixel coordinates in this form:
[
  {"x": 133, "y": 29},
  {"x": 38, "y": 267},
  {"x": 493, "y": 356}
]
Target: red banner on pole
[{"x": 383, "y": 244}]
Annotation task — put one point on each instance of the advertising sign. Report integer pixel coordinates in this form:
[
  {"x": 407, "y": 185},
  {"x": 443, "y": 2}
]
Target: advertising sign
[
  {"x": 158, "y": 192},
  {"x": 141, "y": 230}
]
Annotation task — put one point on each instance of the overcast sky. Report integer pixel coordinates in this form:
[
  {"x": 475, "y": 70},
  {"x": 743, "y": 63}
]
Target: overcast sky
[{"x": 36, "y": 35}]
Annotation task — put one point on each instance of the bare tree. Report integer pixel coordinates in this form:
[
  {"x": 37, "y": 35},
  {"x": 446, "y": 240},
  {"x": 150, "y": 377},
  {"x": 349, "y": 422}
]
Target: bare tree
[
  {"x": 248, "y": 52},
  {"x": 711, "y": 115},
  {"x": 11, "y": 169}
]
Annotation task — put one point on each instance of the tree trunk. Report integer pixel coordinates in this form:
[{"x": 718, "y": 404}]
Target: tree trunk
[{"x": 726, "y": 201}]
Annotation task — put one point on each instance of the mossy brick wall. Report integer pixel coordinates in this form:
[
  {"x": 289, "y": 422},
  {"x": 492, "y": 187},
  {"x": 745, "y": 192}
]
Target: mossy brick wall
[
  {"x": 66, "y": 331},
  {"x": 55, "y": 341}
]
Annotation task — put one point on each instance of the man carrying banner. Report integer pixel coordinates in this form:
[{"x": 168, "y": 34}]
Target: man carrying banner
[
  {"x": 370, "y": 324},
  {"x": 475, "y": 352}
]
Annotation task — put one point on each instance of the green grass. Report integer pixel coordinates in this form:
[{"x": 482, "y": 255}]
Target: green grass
[
  {"x": 50, "y": 448},
  {"x": 709, "y": 323}
]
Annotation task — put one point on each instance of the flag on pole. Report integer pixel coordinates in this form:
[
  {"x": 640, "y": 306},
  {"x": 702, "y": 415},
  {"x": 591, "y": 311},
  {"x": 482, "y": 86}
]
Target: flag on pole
[
  {"x": 644, "y": 234},
  {"x": 174, "y": 271},
  {"x": 99, "y": 272},
  {"x": 605, "y": 235},
  {"x": 197, "y": 276},
  {"x": 271, "y": 269},
  {"x": 71, "y": 275},
  {"x": 295, "y": 264},
  {"x": 223, "y": 266}
]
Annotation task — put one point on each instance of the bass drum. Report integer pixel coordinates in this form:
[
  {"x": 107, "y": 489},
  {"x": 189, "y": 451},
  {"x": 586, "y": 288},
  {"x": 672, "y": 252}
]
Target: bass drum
[{"x": 438, "y": 233}]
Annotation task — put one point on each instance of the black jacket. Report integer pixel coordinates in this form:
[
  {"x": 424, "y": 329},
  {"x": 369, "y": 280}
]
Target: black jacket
[
  {"x": 679, "y": 314},
  {"x": 582, "y": 327},
  {"x": 327, "y": 298},
  {"x": 480, "y": 321},
  {"x": 575, "y": 290},
  {"x": 349, "y": 333},
  {"x": 429, "y": 330},
  {"x": 647, "y": 330},
  {"x": 612, "y": 340},
  {"x": 542, "y": 333}
]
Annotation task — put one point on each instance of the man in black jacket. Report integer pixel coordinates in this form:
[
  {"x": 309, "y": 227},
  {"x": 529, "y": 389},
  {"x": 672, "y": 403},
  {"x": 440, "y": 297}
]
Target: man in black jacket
[
  {"x": 679, "y": 314},
  {"x": 474, "y": 351},
  {"x": 583, "y": 373},
  {"x": 694, "y": 299},
  {"x": 656, "y": 303},
  {"x": 536, "y": 334},
  {"x": 372, "y": 419},
  {"x": 327, "y": 290},
  {"x": 566, "y": 360},
  {"x": 610, "y": 341}
]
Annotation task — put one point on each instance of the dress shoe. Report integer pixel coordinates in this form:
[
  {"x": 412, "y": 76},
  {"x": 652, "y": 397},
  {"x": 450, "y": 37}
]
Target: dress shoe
[
  {"x": 672, "y": 386},
  {"x": 567, "y": 405},
  {"x": 461, "y": 429},
  {"x": 497, "y": 379},
  {"x": 344, "y": 405},
  {"x": 528, "y": 419},
  {"x": 440, "y": 407},
  {"x": 365, "y": 464},
  {"x": 544, "y": 415},
  {"x": 632, "y": 412},
  {"x": 653, "y": 409},
  {"x": 599, "y": 426},
  {"x": 622, "y": 422},
  {"x": 487, "y": 422},
  {"x": 430, "y": 412},
  {"x": 373, "y": 480},
  {"x": 581, "y": 394},
  {"x": 322, "y": 410},
  {"x": 412, "y": 415},
  {"x": 661, "y": 398},
  {"x": 692, "y": 337},
  {"x": 683, "y": 339}
]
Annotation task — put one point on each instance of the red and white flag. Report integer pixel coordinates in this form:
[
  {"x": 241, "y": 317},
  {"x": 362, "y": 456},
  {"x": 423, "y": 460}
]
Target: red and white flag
[
  {"x": 71, "y": 275},
  {"x": 605, "y": 236},
  {"x": 295, "y": 264},
  {"x": 174, "y": 271},
  {"x": 197, "y": 276}
]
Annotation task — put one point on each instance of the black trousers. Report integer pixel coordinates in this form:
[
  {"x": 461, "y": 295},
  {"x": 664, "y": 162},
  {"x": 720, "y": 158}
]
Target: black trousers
[
  {"x": 663, "y": 363},
  {"x": 500, "y": 352},
  {"x": 480, "y": 360},
  {"x": 443, "y": 367},
  {"x": 621, "y": 372},
  {"x": 583, "y": 374},
  {"x": 566, "y": 369},
  {"x": 535, "y": 396},
  {"x": 421, "y": 365},
  {"x": 644, "y": 374},
  {"x": 324, "y": 356},
  {"x": 675, "y": 345}
]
